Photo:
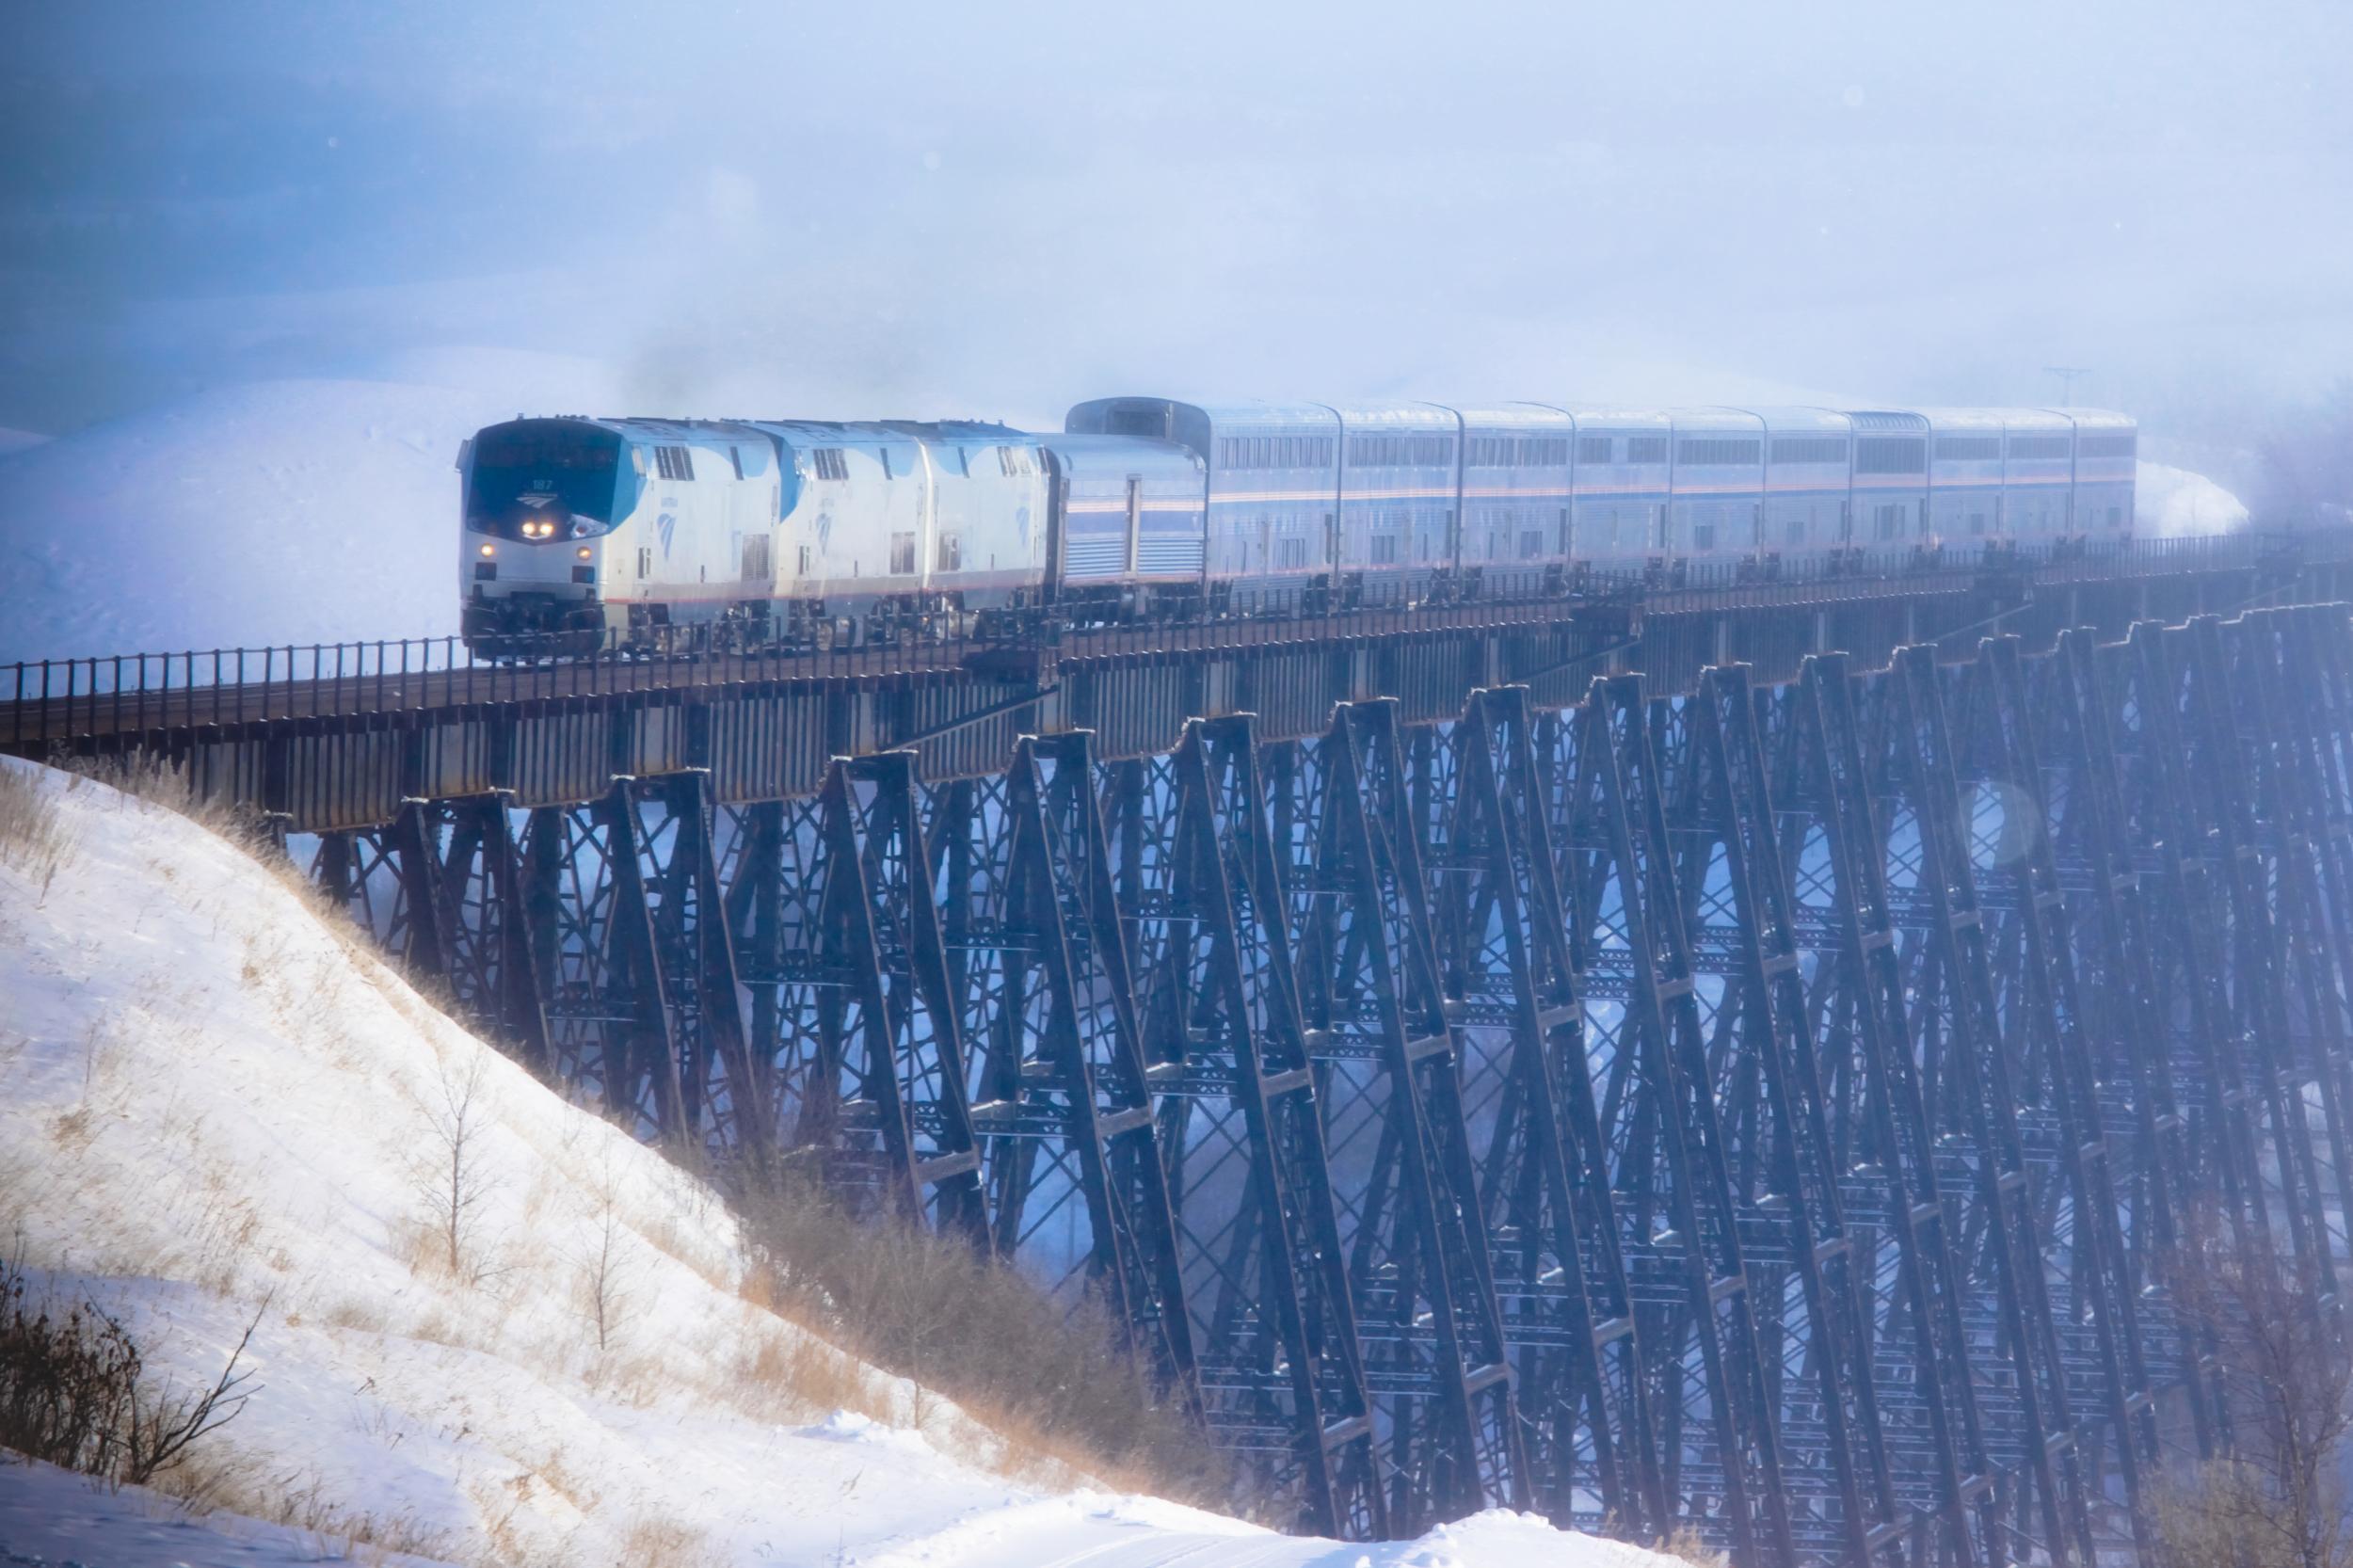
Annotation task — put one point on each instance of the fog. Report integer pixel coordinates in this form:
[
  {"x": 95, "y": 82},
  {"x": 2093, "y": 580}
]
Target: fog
[{"x": 856, "y": 211}]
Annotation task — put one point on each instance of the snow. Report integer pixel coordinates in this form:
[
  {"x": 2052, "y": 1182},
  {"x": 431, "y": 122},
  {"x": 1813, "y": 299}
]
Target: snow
[
  {"x": 223, "y": 1109},
  {"x": 2173, "y": 503},
  {"x": 266, "y": 512},
  {"x": 54, "y": 1517}
]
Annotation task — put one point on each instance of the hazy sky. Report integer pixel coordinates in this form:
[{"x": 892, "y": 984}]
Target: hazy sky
[{"x": 918, "y": 208}]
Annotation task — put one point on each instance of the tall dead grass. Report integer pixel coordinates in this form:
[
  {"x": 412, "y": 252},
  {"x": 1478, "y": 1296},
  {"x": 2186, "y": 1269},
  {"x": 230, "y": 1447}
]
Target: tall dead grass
[
  {"x": 1053, "y": 1382},
  {"x": 227, "y": 1479},
  {"x": 33, "y": 836},
  {"x": 168, "y": 785}
]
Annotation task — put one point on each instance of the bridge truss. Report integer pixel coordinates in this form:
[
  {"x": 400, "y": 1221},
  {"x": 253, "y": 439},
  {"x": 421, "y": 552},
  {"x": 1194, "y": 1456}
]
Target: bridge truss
[
  {"x": 1759, "y": 1106},
  {"x": 1758, "y": 1109}
]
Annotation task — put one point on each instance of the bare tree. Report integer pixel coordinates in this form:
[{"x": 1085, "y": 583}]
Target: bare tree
[
  {"x": 160, "y": 1425},
  {"x": 457, "y": 1109},
  {"x": 2279, "y": 1501},
  {"x": 75, "y": 1389},
  {"x": 605, "y": 1270}
]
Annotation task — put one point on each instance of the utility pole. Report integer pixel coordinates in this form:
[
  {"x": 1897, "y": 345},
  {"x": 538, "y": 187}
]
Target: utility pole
[{"x": 2067, "y": 375}]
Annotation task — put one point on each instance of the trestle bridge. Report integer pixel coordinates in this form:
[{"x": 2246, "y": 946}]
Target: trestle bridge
[{"x": 1719, "y": 1055}]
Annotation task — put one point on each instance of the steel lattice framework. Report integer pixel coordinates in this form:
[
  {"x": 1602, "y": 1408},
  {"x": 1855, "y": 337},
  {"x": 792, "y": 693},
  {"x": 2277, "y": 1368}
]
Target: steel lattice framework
[{"x": 1759, "y": 1107}]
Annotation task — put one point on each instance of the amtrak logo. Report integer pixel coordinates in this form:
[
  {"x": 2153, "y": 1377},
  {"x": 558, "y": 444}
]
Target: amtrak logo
[
  {"x": 668, "y": 525},
  {"x": 541, "y": 494}
]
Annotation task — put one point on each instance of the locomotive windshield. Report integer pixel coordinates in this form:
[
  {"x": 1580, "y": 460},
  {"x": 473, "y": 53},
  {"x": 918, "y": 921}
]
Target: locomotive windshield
[{"x": 543, "y": 470}]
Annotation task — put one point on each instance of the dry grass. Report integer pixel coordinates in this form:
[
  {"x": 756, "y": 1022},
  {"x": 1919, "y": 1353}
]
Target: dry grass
[
  {"x": 168, "y": 785},
  {"x": 225, "y": 1480},
  {"x": 654, "y": 1542},
  {"x": 361, "y": 1317},
  {"x": 1051, "y": 1381},
  {"x": 33, "y": 836},
  {"x": 164, "y": 784},
  {"x": 780, "y": 1374},
  {"x": 1687, "y": 1544}
]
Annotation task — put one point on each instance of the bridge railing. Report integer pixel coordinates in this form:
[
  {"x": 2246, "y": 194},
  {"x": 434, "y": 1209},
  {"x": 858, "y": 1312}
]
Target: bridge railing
[{"x": 132, "y": 692}]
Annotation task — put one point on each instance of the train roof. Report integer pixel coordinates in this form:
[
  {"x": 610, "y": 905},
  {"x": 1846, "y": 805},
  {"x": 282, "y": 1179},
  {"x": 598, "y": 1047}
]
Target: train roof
[
  {"x": 643, "y": 427},
  {"x": 1965, "y": 419},
  {"x": 1089, "y": 456},
  {"x": 819, "y": 432},
  {"x": 990, "y": 432},
  {"x": 1401, "y": 415},
  {"x": 2033, "y": 419},
  {"x": 1610, "y": 416},
  {"x": 2097, "y": 419},
  {"x": 1718, "y": 418},
  {"x": 1240, "y": 411},
  {"x": 1888, "y": 420},
  {"x": 1514, "y": 416},
  {"x": 1781, "y": 418}
]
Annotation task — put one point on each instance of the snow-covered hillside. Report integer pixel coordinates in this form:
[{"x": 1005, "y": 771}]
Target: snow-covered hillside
[{"x": 219, "y": 1104}]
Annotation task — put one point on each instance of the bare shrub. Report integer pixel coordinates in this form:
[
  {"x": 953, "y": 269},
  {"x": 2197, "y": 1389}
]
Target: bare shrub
[
  {"x": 74, "y": 1390},
  {"x": 452, "y": 1177},
  {"x": 654, "y": 1542},
  {"x": 2279, "y": 1501},
  {"x": 1052, "y": 1380},
  {"x": 1687, "y": 1544},
  {"x": 605, "y": 1274},
  {"x": 33, "y": 836}
]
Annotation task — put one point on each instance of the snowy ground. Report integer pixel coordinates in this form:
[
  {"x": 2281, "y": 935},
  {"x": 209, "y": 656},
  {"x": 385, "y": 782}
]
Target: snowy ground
[
  {"x": 54, "y": 1517},
  {"x": 219, "y": 1105}
]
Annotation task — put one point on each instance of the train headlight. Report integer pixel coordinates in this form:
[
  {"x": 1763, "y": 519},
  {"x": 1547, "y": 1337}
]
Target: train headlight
[
  {"x": 490, "y": 550},
  {"x": 583, "y": 553}
]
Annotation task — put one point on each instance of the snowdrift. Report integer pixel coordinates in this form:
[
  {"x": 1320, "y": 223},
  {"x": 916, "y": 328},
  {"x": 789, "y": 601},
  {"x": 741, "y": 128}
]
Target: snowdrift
[
  {"x": 220, "y": 1104},
  {"x": 2175, "y": 504},
  {"x": 268, "y": 512}
]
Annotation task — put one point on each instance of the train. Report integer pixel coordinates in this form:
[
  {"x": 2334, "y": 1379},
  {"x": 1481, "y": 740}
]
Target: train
[{"x": 744, "y": 533}]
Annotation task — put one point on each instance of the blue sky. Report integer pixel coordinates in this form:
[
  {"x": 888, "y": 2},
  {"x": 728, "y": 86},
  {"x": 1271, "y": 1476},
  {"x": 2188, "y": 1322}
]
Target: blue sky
[{"x": 933, "y": 209}]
